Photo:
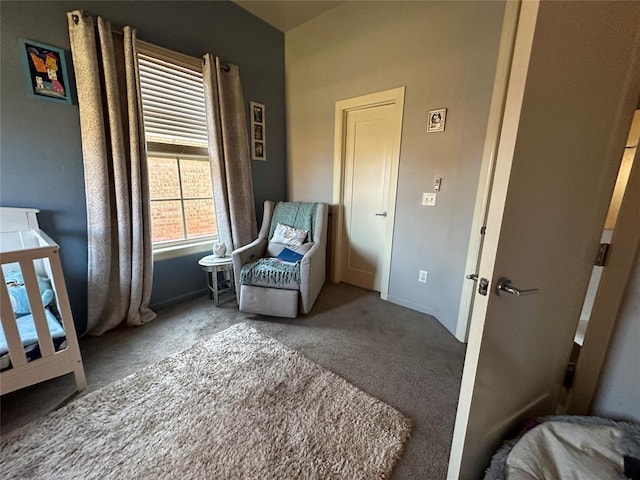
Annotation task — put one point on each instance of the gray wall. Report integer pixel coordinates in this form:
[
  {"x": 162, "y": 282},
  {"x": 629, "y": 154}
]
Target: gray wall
[
  {"x": 40, "y": 153},
  {"x": 445, "y": 54},
  {"x": 618, "y": 395}
]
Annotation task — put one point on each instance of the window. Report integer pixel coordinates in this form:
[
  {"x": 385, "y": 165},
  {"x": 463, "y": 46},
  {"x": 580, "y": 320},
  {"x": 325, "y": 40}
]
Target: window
[
  {"x": 181, "y": 199},
  {"x": 182, "y": 209}
]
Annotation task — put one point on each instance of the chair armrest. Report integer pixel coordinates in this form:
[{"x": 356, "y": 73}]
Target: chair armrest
[
  {"x": 244, "y": 255},
  {"x": 311, "y": 255},
  {"x": 312, "y": 275}
]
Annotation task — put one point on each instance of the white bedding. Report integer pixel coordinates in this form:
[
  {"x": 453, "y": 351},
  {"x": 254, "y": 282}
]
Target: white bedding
[
  {"x": 566, "y": 447},
  {"x": 567, "y": 451}
]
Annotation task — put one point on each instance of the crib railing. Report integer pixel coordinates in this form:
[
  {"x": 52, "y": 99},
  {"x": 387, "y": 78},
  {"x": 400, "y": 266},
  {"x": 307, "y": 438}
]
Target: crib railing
[{"x": 39, "y": 253}]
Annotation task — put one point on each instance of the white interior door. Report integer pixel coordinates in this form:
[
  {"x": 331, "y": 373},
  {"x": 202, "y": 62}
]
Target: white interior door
[
  {"x": 494, "y": 124},
  {"x": 368, "y": 133},
  {"x": 368, "y": 149},
  {"x": 560, "y": 146}
]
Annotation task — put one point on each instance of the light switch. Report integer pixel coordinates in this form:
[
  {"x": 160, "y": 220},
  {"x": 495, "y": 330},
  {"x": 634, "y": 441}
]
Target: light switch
[{"x": 429, "y": 199}]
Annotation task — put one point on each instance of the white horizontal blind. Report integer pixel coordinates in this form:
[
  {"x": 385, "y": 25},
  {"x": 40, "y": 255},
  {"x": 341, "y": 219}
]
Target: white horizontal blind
[{"x": 172, "y": 103}]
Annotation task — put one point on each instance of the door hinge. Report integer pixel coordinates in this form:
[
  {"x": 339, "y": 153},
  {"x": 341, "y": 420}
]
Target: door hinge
[
  {"x": 569, "y": 375},
  {"x": 483, "y": 230},
  {"x": 601, "y": 258}
]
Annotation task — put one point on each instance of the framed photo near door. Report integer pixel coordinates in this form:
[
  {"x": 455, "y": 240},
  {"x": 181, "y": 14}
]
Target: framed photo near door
[
  {"x": 258, "y": 132},
  {"x": 437, "y": 119}
]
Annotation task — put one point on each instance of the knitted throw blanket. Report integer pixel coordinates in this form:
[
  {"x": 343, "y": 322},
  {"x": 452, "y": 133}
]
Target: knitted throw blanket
[
  {"x": 295, "y": 214},
  {"x": 270, "y": 270}
]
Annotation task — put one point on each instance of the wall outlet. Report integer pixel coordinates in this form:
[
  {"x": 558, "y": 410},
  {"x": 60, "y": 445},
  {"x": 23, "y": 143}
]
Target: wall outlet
[
  {"x": 422, "y": 276},
  {"x": 429, "y": 199}
]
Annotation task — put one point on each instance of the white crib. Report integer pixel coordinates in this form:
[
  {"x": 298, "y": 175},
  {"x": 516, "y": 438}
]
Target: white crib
[{"x": 25, "y": 247}]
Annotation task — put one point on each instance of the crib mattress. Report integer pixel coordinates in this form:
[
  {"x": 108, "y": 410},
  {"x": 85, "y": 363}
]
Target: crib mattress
[{"x": 29, "y": 337}]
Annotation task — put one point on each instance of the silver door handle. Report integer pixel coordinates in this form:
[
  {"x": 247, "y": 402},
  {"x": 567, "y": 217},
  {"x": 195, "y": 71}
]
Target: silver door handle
[
  {"x": 504, "y": 286},
  {"x": 383, "y": 214}
]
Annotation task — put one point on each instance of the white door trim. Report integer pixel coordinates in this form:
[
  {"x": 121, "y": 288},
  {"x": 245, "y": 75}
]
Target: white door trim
[
  {"x": 395, "y": 97},
  {"x": 494, "y": 125}
]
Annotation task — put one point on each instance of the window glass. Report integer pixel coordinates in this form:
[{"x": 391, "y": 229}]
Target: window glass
[
  {"x": 196, "y": 178},
  {"x": 198, "y": 219},
  {"x": 164, "y": 181},
  {"x": 166, "y": 220}
]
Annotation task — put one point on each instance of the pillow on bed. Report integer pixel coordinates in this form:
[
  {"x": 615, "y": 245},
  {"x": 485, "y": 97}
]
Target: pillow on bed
[
  {"x": 18, "y": 292},
  {"x": 287, "y": 235}
]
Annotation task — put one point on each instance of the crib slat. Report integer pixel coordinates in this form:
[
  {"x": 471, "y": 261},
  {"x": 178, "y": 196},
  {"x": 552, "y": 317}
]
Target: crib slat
[
  {"x": 57, "y": 279},
  {"x": 37, "y": 309},
  {"x": 10, "y": 327}
]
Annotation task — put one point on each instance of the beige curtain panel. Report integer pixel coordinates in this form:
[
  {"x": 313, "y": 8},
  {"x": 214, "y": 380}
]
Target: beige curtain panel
[
  {"x": 229, "y": 152},
  {"x": 115, "y": 170}
]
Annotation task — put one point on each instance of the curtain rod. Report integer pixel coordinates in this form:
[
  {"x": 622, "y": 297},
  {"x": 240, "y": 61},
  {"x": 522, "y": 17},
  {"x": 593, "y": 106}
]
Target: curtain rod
[{"x": 76, "y": 19}]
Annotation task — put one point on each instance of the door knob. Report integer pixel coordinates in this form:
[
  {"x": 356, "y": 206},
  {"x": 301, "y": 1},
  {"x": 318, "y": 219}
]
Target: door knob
[
  {"x": 504, "y": 286},
  {"x": 383, "y": 214}
]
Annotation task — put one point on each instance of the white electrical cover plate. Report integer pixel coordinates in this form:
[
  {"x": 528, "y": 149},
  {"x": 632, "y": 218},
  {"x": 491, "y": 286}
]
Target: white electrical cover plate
[{"x": 429, "y": 199}]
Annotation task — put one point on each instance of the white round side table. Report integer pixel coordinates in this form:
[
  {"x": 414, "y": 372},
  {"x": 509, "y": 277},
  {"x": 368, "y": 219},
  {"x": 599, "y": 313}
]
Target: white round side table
[{"x": 212, "y": 265}]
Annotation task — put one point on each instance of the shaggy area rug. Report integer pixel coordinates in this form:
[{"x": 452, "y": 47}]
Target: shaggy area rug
[{"x": 239, "y": 405}]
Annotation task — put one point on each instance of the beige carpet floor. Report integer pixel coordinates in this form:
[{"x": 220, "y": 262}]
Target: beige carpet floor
[{"x": 238, "y": 405}]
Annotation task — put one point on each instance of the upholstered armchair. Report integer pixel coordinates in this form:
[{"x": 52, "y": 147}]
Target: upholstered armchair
[{"x": 271, "y": 277}]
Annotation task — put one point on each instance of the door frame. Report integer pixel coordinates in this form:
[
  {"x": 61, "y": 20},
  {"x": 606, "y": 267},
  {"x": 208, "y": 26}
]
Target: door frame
[
  {"x": 393, "y": 97},
  {"x": 609, "y": 296}
]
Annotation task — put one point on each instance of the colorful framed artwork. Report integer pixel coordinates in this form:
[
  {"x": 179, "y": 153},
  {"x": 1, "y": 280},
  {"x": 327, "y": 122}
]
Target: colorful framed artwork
[
  {"x": 258, "y": 132},
  {"x": 437, "y": 119},
  {"x": 46, "y": 71}
]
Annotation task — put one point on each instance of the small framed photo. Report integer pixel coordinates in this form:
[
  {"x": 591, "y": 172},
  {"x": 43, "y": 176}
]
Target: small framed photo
[
  {"x": 46, "y": 71},
  {"x": 258, "y": 131},
  {"x": 259, "y": 150},
  {"x": 436, "y": 120},
  {"x": 258, "y": 112}
]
